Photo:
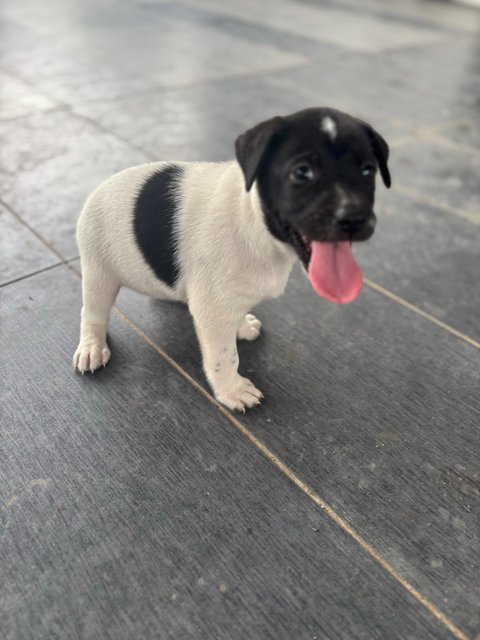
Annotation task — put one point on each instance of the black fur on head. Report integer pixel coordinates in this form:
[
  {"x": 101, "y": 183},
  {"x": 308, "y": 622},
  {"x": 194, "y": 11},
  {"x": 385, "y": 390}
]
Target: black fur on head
[{"x": 315, "y": 174}]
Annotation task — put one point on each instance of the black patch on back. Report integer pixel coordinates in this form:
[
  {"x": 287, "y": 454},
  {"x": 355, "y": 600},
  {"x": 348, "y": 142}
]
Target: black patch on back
[{"x": 154, "y": 222}]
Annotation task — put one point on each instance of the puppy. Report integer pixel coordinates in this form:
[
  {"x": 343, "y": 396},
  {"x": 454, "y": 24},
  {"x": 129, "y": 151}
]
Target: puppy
[{"x": 222, "y": 237}]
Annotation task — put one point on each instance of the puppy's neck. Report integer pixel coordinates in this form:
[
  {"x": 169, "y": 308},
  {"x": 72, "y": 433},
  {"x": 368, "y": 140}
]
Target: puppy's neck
[{"x": 265, "y": 243}]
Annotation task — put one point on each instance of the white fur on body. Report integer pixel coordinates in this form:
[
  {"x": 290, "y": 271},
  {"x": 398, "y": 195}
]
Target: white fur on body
[{"x": 229, "y": 262}]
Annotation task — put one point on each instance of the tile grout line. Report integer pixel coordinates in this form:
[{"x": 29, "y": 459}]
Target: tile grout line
[
  {"x": 435, "y": 133},
  {"x": 403, "y": 141},
  {"x": 61, "y": 105},
  {"x": 159, "y": 86},
  {"x": 32, "y": 273},
  {"x": 420, "y": 197},
  {"x": 276, "y": 461},
  {"x": 98, "y": 125},
  {"x": 420, "y": 312},
  {"x": 437, "y": 138},
  {"x": 430, "y": 136},
  {"x": 431, "y": 133},
  {"x": 65, "y": 107},
  {"x": 38, "y": 235}
]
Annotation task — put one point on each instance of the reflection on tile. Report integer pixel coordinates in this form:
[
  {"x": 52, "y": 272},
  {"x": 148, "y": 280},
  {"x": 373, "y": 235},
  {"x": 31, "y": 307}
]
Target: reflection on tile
[
  {"x": 250, "y": 31},
  {"x": 18, "y": 99},
  {"x": 133, "y": 52},
  {"x": 328, "y": 24}
]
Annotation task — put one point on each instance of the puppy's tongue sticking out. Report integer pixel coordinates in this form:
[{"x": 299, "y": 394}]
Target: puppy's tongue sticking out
[{"x": 333, "y": 272}]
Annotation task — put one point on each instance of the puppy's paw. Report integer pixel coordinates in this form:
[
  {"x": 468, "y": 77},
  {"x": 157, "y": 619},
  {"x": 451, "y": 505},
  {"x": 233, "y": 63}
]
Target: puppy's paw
[
  {"x": 240, "y": 395},
  {"x": 250, "y": 328},
  {"x": 89, "y": 356}
]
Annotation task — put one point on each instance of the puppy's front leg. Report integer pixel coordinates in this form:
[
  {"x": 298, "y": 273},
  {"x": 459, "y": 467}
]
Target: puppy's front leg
[{"x": 217, "y": 334}]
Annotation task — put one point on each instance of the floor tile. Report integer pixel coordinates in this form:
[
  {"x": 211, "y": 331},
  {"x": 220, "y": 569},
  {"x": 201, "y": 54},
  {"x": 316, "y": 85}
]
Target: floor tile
[
  {"x": 50, "y": 162},
  {"x": 21, "y": 252},
  {"x": 128, "y": 513},
  {"x": 376, "y": 409}
]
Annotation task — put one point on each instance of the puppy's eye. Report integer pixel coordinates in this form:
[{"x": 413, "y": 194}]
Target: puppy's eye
[
  {"x": 368, "y": 170},
  {"x": 302, "y": 173}
]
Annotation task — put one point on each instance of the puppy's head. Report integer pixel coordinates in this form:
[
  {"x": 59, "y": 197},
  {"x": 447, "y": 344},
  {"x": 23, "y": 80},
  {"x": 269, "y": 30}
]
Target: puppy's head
[{"x": 315, "y": 173}]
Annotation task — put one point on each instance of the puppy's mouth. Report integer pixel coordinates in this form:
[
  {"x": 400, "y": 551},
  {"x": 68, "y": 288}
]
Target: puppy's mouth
[{"x": 333, "y": 272}]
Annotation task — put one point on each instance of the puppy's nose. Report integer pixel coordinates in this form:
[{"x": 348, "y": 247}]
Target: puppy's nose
[{"x": 353, "y": 221}]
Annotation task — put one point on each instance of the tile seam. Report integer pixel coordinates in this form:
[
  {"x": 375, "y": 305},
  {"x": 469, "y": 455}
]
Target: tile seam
[
  {"x": 417, "y": 196},
  {"x": 423, "y": 314},
  {"x": 30, "y": 274}
]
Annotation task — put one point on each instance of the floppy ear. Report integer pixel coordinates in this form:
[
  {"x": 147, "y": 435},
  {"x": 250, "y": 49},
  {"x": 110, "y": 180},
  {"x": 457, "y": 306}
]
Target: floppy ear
[
  {"x": 251, "y": 147},
  {"x": 381, "y": 151}
]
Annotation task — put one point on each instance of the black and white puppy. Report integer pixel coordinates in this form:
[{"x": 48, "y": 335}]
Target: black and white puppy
[{"x": 222, "y": 237}]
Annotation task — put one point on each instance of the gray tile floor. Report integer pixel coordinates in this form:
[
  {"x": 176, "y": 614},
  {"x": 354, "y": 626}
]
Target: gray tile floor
[{"x": 347, "y": 506}]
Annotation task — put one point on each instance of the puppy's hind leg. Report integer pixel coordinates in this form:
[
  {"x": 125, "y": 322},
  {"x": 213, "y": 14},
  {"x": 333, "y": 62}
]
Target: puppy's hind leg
[
  {"x": 249, "y": 328},
  {"x": 100, "y": 288}
]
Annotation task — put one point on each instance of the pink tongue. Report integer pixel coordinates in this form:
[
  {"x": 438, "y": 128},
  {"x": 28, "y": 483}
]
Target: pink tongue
[{"x": 333, "y": 272}]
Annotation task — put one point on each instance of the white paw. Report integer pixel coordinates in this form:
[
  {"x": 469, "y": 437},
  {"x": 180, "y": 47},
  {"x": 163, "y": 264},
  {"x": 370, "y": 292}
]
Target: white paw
[
  {"x": 250, "y": 328},
  {"x": 89, "y": 356},
  {"x": 241, "y": 395}
]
